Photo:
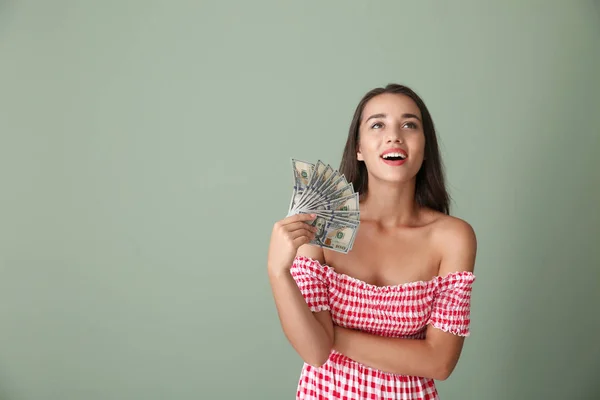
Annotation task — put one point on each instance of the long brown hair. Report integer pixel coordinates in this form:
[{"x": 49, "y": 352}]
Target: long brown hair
[{"x": 430, "y": 188}]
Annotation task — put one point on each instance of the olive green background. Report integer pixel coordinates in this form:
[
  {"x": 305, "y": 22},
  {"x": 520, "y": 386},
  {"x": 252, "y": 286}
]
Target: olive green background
[{"x": 145, "y": 154}]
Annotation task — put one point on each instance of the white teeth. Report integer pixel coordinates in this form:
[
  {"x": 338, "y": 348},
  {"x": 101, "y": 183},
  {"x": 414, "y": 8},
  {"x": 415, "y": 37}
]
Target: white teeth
[{"x": 388, "y": 155}]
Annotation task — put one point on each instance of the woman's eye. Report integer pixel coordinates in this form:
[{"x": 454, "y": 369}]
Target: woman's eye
[
  {"x": 376, "y": 125},
  {"x": 411, "y": 125}
]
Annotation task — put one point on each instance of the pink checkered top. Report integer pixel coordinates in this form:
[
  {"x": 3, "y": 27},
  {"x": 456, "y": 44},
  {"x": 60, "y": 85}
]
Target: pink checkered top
[{"x": 402, "y": 310}]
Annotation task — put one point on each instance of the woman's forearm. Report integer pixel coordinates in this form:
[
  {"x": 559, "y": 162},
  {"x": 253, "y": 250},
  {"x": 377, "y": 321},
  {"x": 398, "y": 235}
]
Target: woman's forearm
[
  {"x": 310, "y": 334},
  {"x": 394, "y": 355}
]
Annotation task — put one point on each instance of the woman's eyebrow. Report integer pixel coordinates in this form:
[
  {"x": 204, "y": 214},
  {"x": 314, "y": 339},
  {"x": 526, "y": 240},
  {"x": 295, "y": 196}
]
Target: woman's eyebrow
[{"x": 405, "y": 115}]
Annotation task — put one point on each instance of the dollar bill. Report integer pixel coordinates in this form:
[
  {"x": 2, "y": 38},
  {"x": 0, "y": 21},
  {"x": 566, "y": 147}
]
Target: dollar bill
[
  {"x": 303, "y": 173},
  {"x": 321, "y": 173},
  {"x": 349, "y": 218},
  {"x": 333, "y": 235},
  {"x": 321, "y": 190},
  {"x": 348, "y": 203}
]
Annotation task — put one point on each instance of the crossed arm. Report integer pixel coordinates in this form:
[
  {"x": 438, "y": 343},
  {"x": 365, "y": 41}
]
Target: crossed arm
[
  {"x": 314, "y": 335},
  {"x": 434, "y": 357}
]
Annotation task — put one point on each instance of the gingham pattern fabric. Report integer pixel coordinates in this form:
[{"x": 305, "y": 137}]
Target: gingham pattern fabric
[{"x": 395, "y": 311}]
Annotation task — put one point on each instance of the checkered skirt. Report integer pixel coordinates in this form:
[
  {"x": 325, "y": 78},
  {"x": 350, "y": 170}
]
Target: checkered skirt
[{"x": 402, "y": 310}]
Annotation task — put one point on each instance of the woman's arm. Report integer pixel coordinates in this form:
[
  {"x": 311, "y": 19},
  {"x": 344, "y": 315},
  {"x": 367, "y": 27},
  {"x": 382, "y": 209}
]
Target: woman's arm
[
  {"x": 309, "y": 333},
  {"x": 437, "y": 355},
  {"x": 434, "y": 357}
]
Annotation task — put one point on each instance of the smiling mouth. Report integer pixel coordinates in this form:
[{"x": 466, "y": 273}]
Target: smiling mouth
[{"x": 394, "y": 157}]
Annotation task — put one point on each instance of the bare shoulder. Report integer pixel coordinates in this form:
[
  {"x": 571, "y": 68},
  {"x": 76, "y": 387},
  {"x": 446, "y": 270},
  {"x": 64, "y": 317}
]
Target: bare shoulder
[
  {"x": 457, "y": 242},
  {"x": 311, "y": 251},
  {"x": 450, "y": 228}
]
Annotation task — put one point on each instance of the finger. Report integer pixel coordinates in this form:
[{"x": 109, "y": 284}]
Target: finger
[
  {"x": 299, "y": 225},
  {"x": 298, "y": 217},
  {"x": 301, "y": 232},
  {"x": 299, "y": 241}
]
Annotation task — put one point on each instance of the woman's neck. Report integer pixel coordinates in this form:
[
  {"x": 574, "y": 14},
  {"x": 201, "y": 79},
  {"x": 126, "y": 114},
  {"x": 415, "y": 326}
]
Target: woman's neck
[{"x": 389, "y": 204}]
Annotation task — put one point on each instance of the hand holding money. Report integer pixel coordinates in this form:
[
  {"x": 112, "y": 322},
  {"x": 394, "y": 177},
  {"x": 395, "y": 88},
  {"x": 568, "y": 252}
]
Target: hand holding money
[
  {"x": 324, "y": 192},
  {"x": 288, "y": 235}
]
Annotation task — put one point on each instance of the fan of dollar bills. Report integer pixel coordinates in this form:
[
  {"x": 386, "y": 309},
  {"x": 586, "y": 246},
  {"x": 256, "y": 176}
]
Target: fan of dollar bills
[{"x": 321, "y": 190}]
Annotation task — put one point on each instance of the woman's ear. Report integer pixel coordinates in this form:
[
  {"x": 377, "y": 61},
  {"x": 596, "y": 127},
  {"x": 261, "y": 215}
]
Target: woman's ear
[{"x": 359, "y": 155}]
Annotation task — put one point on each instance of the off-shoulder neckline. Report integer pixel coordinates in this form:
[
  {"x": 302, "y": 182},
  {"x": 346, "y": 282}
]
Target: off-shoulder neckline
[{"x": 361, "y": 283}]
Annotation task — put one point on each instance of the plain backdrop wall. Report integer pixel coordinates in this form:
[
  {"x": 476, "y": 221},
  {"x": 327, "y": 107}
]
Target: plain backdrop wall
[{"x": 145, "y": 154}]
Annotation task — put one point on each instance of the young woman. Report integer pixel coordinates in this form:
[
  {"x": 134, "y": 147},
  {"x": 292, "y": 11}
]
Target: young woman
[{"x": 387, "y": 319}]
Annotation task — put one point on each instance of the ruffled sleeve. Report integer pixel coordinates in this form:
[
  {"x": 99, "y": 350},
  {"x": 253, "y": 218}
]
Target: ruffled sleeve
[
  {"x": 312, "y": 280},
  {"x": 452, "y": 305}
]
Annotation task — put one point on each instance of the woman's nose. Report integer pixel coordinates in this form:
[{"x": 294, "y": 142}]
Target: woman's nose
[{"x": 395, "y": 137}]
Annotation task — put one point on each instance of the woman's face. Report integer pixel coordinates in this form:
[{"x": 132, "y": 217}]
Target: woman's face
[{"x": 391, "y": 138}]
